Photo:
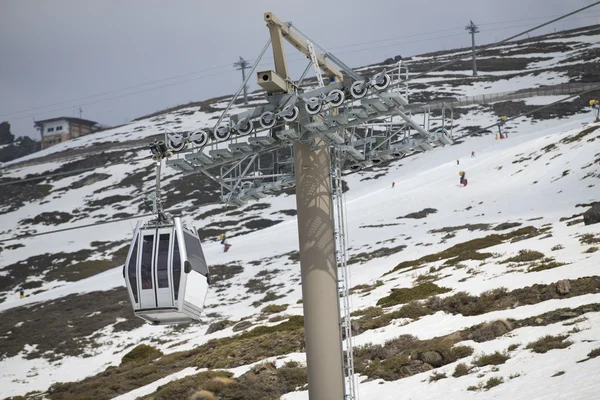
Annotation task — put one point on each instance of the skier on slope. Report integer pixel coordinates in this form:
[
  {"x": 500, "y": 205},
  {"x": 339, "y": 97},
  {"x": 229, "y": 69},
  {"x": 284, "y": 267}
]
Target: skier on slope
[{"x": 463, "y": 178}]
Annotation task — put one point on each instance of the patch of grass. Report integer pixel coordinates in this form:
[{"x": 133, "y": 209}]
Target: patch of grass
[
  {"x": 513, "y": 347},
  {"x": 369, "y": 312},
  {"x": 405, "y": 295},
  {"x": 274, "y": 308},
  {"x": 469, "y": 250},
  {"x": 544, "y": 265},
  {"x": 436, "y": 376},
  {"x": 253, "y": 345},
  {"x": 364, "y": 288},
  {"x": 592, "y": 249},
  {"x": 493, "y": 382},
  {"x": 589, "y": 238},
  {"x": 559, "y": 373},
  {"x": 548, "y": 343},
  {"x": 550, "y": 147},
  {"x": 223, "y": 272},
  {"x": 470, "y": 227},
  {"x": 592, "y": 354},
  {"x": 420, "y": 214},
  {"x": 557, "y": 247},
  {"x": 495, "y": 358},
  {"x": 579, "y": 136},
  {"x": 378, "y": 253},
  {"x": 44, "y": 324},
  {"x": 141, "y": 353},
  {"x": 461, "y": 369},
  {"x": 493, "y": 300},
  {"x": 263, "y": 381},
  {"x": 525, "y": 256}
]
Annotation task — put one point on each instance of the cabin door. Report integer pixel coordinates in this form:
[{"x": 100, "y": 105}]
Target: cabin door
[
  {"x": 163, "y": 265},
  {"x": 146, "y": 270}
]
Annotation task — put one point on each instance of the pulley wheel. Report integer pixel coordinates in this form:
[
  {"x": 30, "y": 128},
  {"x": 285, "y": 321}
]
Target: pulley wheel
[
  {"x": 313, "y": 106},
  {"x": 291, "y": 114},
  {"x": 245, "y": 128},
  {"x": 222, "y": 133},
  {"x": 267, "y": 120},
  {"x": 382, "y": 82},
  {"x": 335, "y": 98},
  {"x": 358, "y": 89},
  {"x": 199, "y": 138},
  {"x": 176, "y": 142}
]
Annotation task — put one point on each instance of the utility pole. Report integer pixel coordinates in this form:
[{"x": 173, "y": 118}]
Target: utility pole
[
  {"x": 242, "y": 65},
  {"x": 473, "y": 29},
  {"x": 80, "y": 112}
]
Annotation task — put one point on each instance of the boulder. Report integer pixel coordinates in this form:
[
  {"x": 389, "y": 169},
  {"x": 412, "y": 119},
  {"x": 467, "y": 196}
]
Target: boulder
[
  {"x": 242, "y": 325},
  {"x": 217, "y": 326},
  {"x": 415, "y": 367},
  {"x": 592, "y": 216},
  {"x": 563, "y": 286},
  {"x": 431, "y": 357}
]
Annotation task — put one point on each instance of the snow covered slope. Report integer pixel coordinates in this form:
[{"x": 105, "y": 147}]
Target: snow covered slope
[{"x": 76, "y": 321}]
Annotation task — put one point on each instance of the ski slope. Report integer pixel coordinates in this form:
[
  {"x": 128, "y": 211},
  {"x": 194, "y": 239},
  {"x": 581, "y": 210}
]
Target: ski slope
[{"x": 424, "y": 180}]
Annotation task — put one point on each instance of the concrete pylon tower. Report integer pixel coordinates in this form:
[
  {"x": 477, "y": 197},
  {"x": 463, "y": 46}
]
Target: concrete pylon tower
[{"x": 320, "y": 293}]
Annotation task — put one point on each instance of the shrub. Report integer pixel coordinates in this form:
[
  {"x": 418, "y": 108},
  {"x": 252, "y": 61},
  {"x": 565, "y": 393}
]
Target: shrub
[
  {"x": 461, "y": 369},
  {"x": 548, "y": 343},
  {"x": 141, "y": 353},
  {"x": 525, "y": 256},
  {"x": 557, "y": 247},
  {"x": 513, "y": 347},
  {"x": 274, "y": 308},
  {"x": 594, "y": 353},
  {"x": 496, "y": 358},
  {"x": 203, "y": 395},
  {"x": 592, "y": 249},
  {"x": 436, "y": 376},
  {"x": 492, "y": 382},
  {"x": 404, "y": 295},
  {"x": 544, "y": 265},
  {"x": 462, "y": 351}
]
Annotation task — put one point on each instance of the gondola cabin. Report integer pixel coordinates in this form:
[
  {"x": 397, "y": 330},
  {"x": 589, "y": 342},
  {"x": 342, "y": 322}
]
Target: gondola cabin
[{"x": 166, "y": 273}]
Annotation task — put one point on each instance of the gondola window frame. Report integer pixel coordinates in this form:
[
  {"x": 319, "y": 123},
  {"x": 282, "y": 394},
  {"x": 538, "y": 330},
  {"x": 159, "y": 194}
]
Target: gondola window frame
[
  {"x": 162, "y": 260},
  {"x": 177, "y": 263},
  {"x": 196, "y": 259},
  {"x": 148, "y": 258},
  {"x": 131, "y": 270}
]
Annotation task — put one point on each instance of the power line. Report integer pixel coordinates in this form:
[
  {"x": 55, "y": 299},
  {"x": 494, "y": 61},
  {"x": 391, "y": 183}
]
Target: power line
[
  {"x": 26, "y": 236},
  {"x": 528, "y": 112},
  {"x": 125, "y": 94},
  {"x": 223, "y": 72},
  {"x": 112, "y": 91},
  {"x": 457, "y": 59}
]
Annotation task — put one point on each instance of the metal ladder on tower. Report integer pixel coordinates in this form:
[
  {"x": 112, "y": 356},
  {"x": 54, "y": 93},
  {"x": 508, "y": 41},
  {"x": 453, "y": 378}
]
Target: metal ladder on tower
[
  {"x": 337, "y": 195},
  {"x": 337, "y": 160}
]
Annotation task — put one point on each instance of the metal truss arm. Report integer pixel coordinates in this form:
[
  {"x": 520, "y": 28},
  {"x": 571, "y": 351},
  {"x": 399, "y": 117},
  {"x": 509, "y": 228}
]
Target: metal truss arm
[{"x": 301, "y": 45}]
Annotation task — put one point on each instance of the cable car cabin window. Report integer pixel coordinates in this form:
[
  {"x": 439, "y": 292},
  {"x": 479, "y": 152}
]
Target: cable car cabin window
[
  {"x": 162, "y": 267},
  {"x": 176, "y": 267},
  {"x": 131, "y": 270},
  {"x": 146, "y": 267},
  {"x": 194, "y": 253}
]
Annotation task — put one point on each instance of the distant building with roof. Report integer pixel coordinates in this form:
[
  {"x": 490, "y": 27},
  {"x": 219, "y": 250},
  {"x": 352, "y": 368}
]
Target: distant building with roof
[{"x": 61, "y": 129}]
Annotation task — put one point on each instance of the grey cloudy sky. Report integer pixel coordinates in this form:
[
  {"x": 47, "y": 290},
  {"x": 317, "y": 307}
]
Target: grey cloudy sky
[{"x": 57, "y": 55}]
